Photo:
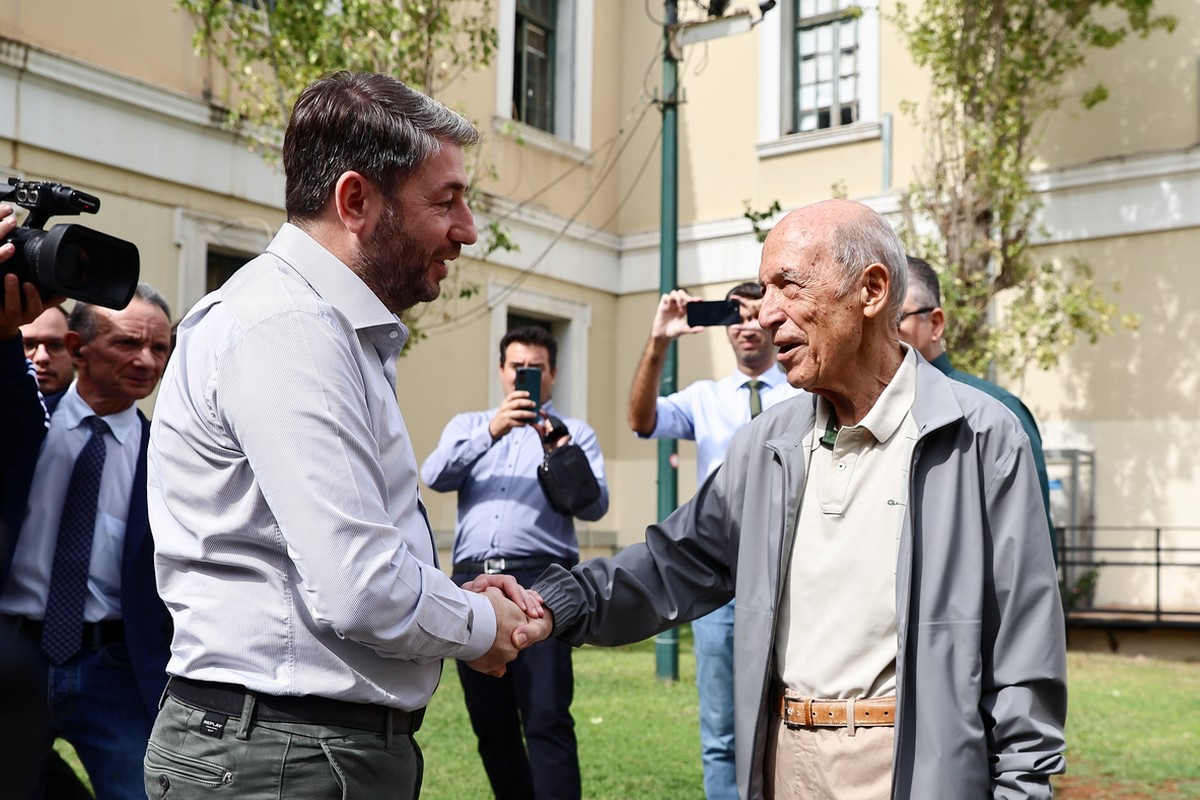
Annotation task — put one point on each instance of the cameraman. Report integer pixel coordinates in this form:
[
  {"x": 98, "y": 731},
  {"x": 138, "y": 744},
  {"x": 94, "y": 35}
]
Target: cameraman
[{"x": 100, "y": 634}]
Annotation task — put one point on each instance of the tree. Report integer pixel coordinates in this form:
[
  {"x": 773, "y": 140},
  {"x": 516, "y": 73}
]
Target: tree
[
  {"x": 271, "y": 50},
  {"x": 997, "y": 69}
]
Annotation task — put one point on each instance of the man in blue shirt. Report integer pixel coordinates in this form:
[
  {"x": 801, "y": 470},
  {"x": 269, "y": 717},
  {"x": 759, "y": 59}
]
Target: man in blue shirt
[
  {"x": 710, "y": 412},
  {"x": 506, "y": 525}
]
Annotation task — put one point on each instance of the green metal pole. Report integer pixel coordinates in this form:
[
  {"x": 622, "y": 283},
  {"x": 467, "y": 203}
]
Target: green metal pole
[{"x": 666, "y": 645}]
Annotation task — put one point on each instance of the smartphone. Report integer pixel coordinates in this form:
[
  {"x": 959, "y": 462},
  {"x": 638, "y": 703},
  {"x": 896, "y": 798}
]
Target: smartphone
[
  {"x": 529, "y": 379},
  {"x": 714, "y": 312}
]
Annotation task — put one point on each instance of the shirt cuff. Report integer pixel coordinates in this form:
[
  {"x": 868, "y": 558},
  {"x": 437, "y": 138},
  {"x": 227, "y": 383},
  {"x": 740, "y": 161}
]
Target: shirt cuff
[{"x": 483, "y": 627}]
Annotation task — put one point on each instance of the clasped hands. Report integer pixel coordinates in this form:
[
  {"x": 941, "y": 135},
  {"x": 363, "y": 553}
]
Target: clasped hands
[{"x": 521, "y": 620}]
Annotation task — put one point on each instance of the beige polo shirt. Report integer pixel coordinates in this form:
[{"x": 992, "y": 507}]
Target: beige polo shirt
[{"x": 836, "y": 635}]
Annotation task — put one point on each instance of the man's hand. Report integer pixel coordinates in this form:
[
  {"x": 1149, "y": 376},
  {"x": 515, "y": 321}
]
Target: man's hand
[
  {"x": 540, "y": 624},
  {"x": 529, "y": 601},
  {"x": 670, "y": 319},
  {"x": 508, "y": 619},
  {"x": 749, "y": 308},
  {"x": 14, "y": 313},
  {"x": 552, "y": 438},
  {"x": 534, "y": 631},
  {"x": 515, "y": 412},
  {"x": 8, "y": 224}
]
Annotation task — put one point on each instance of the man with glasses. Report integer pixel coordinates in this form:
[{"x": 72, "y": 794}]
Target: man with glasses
[
  {"x": 923, "y": 326},
  {"x": 710, "y": 413},
  {"x": 44, "y": 346}
]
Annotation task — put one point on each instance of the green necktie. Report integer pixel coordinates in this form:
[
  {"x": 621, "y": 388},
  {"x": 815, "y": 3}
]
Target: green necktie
[{"x": 755, "y": 398}]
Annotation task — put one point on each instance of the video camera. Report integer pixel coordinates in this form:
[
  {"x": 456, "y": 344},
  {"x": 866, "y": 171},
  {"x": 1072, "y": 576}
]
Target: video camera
[{"x": 69, "y": 260}]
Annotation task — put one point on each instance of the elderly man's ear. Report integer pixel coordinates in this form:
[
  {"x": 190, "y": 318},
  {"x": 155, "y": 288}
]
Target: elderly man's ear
[{"x": 876, "y": 281}]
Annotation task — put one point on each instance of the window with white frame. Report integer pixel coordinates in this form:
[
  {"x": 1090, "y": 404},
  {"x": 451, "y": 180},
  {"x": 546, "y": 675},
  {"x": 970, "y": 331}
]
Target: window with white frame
[
  {"x": 825, "y": 65},
  {"x": 819, "y": 75},
  {"x": 533, "y": 63},
  {"x": 544, "y": 71}
]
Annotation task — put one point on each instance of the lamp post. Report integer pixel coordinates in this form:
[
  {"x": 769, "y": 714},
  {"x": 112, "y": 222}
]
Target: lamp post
[
  {"x": 675, "y": 36},
  {"x": 666, "y": 644}
]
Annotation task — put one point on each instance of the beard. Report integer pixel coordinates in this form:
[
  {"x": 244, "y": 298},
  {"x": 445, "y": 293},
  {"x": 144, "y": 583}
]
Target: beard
[{"x": 392, "y": 264}]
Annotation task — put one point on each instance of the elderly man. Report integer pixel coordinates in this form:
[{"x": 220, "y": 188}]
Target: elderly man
[
  {"x": 899, "y": 631},
  {"x": 291, "y": 543},
  {"x": 76, "y": 577}
]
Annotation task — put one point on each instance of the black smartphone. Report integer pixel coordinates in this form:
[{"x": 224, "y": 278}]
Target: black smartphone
[
  {"x": 714, "y": 312},
  {"x": 529, "y": 379}
]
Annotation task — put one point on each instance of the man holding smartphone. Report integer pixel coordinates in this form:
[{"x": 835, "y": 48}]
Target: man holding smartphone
[
  {"x": 506, "y": 525},
  {"x": 710, "y": 412}
]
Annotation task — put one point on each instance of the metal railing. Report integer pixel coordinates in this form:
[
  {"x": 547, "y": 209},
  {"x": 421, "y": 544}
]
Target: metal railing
[{"x": 1125, "y": 561}]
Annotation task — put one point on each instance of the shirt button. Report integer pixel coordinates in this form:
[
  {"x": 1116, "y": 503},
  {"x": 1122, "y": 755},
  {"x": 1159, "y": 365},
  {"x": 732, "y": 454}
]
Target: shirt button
[{"x": 841, "y": 467}]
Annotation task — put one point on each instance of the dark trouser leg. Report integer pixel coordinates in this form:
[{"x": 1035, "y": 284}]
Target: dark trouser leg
[
  {"x": 26, "y": 735},
  {"x": 492, "y": 706},
  {"x": 545, "y": 687},
  {"x": 314, "y": 762}
]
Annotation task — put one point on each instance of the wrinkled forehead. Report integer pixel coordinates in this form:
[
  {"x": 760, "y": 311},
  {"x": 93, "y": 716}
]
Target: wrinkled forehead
[
  {"x": 139, "y": 317},
  {"x": 801, "y": 252}
]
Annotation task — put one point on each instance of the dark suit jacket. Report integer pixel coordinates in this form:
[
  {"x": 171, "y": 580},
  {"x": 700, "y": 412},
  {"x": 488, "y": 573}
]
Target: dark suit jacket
[{"x": 24, "y": 422}]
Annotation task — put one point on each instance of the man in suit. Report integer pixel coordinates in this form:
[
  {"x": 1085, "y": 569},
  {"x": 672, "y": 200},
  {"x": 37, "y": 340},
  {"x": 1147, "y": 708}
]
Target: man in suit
[{"x": 99, "y": 628}]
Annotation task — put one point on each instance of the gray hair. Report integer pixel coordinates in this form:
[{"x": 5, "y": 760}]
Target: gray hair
[
  {"x": 362, "y": 122},
  {"x": 82, "y": 318},
  {"x": 866, "y": 239}
]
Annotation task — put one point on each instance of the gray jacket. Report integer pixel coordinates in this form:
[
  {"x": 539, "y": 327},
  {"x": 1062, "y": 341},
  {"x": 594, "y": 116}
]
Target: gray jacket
[{"x": 981, "y": 670}]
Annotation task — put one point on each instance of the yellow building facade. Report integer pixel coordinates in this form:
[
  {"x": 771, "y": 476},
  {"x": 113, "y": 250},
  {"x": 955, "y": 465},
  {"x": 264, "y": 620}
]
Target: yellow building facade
[{"x": 111, "y": 98}]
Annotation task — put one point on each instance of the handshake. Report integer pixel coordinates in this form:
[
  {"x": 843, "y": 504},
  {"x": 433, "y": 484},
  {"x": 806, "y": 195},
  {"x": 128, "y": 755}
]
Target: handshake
[{"x": 521, "y": 620}]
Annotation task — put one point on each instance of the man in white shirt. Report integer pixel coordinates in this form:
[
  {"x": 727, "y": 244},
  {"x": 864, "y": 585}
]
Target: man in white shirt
[
  {"x": 710, "y": 412},
  {"x": 291, "y": 543}
]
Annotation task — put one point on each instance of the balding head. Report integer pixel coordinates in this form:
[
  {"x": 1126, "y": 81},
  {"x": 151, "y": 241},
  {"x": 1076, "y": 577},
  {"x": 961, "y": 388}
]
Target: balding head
[{"x": 834, "y": 277}]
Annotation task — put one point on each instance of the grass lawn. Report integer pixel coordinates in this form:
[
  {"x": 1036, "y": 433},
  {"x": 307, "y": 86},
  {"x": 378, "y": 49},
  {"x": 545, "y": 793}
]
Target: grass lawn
[
  {"x": 1133, "y": 728},
  {"x": 1132, "y": 732}
]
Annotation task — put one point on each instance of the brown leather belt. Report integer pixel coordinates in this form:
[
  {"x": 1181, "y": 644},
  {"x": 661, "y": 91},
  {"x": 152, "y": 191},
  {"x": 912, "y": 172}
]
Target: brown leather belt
[{"x": 805, "y": 712}]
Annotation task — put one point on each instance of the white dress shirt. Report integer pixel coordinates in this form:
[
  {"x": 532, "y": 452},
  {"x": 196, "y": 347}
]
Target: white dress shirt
[
  {"x": 711, "y": 412},
  {"x": 28, "y": 583},
  {"x": 291, "y": 544}
]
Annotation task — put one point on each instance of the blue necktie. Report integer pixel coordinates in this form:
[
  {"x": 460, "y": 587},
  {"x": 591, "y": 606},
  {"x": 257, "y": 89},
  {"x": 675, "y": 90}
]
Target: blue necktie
[{"x": 62, "y": 630}]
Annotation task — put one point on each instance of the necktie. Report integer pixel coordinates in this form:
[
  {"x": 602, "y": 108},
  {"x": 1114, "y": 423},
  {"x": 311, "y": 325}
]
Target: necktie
[
  {"x": 755, "y": 398},
  {"x": 62, "y": 631}
]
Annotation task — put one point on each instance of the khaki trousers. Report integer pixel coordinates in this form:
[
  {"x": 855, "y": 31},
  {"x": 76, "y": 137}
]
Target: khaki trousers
[{"x": 828, "y": 763}]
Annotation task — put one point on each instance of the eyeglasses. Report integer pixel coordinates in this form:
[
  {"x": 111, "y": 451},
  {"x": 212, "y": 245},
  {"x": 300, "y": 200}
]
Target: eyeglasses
[
  {"x": 924, "y": 310},
  {"x": 53, "y": 346}
]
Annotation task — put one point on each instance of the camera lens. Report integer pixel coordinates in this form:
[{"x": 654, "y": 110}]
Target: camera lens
[{"x": 72, "y": 269}]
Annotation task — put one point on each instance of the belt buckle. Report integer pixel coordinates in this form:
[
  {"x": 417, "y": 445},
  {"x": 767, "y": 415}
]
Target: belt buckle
[
  {"x": 493, "y": 566},
  {"x": 805, "y": 704}
]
